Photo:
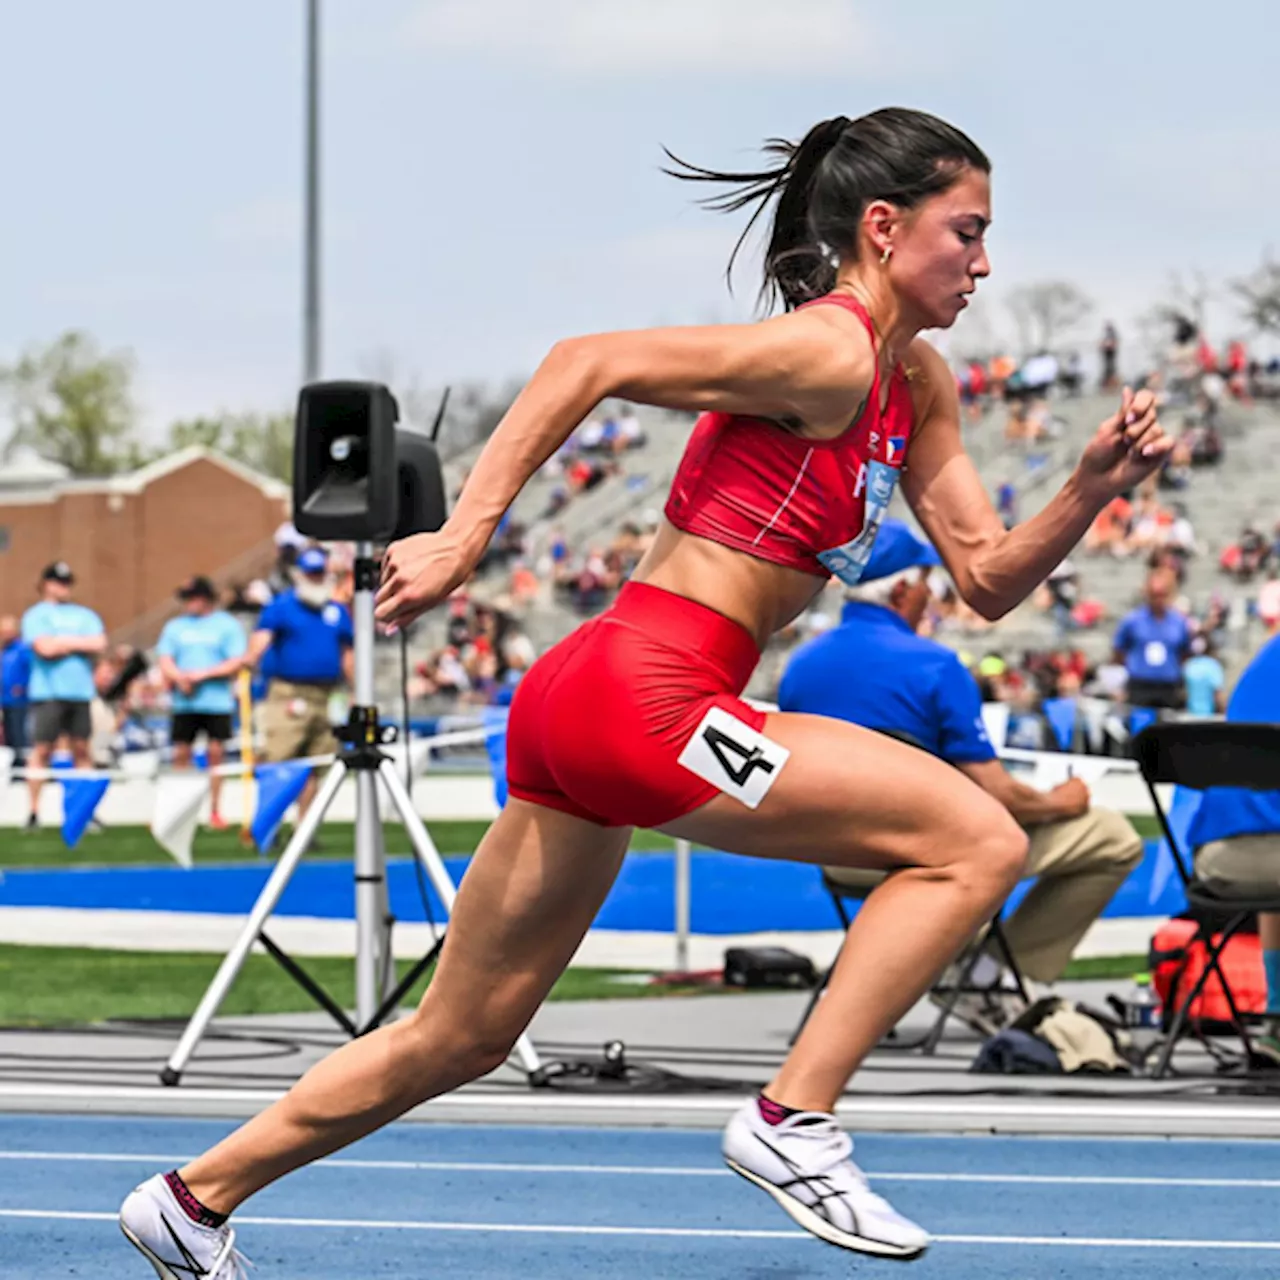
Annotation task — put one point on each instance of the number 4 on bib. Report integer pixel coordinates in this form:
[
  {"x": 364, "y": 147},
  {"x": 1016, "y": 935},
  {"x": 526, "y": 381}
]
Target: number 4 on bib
[{"x": 733, "y": 757}]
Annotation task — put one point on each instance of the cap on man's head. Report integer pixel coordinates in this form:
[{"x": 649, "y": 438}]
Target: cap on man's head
[
  {"x": 58, "y": 571},
  {"x": 895, "y": 550},
  {"x": 312, "y": 560},
  {"x": 197, "y": 588}
]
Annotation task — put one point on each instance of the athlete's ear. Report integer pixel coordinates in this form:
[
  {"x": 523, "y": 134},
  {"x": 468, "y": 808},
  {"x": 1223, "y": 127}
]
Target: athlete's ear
[{"x": 879, "y": 221}]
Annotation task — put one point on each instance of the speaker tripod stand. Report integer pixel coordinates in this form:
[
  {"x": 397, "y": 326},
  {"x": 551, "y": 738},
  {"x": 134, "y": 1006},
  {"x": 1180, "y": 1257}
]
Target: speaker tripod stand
[{"x": 361, "y": 754}]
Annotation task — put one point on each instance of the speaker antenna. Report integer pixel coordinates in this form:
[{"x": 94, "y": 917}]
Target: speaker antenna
[{"x": 435, "y": 426}]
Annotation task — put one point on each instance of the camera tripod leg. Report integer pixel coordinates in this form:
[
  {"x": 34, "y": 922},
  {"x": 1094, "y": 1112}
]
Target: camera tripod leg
[
  {"x": 266, "y": 903},
  {"x": 425, "y": 851}
]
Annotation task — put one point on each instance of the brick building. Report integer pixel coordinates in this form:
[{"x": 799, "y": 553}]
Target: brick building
[{"x": 131, "y": 539}]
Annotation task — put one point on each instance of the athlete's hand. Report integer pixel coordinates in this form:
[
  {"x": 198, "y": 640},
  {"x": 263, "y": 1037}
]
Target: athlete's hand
[
  {"x": 1128, "y": 447},
  {"x": 417, "y": 573}
]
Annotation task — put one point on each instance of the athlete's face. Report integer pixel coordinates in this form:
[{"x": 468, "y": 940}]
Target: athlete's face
[{"x": 939, "y": 250}]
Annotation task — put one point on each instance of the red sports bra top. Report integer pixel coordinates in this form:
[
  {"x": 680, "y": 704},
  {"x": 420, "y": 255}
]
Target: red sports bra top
[{"x": 815, "y": 505}]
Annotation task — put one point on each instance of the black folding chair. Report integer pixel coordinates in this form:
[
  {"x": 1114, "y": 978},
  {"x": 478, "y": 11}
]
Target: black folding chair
[
  {"x": 1200, "y": 755},
  {"x": 857, "y": 889}
]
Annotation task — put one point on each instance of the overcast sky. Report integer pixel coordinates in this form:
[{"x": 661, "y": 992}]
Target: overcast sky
[{"x": 491, "y": 166}]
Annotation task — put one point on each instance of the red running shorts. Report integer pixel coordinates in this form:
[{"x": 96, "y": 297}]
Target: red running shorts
[{"x": 599, "y": 723}]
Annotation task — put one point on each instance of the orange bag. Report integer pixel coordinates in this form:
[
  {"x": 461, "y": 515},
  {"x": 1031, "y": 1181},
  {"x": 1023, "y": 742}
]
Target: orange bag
[{"x": 1176, "y": 966}]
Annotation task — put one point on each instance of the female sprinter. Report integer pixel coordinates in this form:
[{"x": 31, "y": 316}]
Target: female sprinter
[{"x": 809, "y": 420}]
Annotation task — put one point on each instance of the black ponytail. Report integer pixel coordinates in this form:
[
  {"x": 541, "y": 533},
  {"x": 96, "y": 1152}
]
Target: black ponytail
[{"x": 825, "y": 181}]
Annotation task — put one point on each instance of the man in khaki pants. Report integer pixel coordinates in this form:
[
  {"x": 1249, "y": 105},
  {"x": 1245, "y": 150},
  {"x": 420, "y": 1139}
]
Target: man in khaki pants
[
  {"x": 1236, "y": 834},
  {"x": 304, "y": 640},
  {"x": 874, "y": 670}
]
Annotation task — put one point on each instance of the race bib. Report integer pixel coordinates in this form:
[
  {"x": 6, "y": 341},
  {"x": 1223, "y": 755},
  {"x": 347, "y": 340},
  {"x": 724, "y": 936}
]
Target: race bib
[
  {"x": 733, "y": 757},
  {"x": 849, "y": 560}
]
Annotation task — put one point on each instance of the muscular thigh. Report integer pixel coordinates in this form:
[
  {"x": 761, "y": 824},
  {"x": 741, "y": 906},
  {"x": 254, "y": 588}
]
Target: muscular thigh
[
  {"x": 535, "y": 884},
  {"x": 847, "y": 796}
]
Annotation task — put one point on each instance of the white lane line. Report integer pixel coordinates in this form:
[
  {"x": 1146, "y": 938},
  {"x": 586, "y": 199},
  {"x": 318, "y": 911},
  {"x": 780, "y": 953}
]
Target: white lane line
[
  {"x": 665, "y": 1171},
  {"x": 709, "y": 1233}
]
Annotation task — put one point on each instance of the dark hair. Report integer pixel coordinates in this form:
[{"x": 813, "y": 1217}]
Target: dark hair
[{"x": 824, "y": 183}]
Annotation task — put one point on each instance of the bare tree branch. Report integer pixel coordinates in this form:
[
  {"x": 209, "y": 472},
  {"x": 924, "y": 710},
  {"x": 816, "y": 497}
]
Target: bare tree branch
[
  {"x": 1045, "y": 313},
  {"x": 1260, "y": 296}
]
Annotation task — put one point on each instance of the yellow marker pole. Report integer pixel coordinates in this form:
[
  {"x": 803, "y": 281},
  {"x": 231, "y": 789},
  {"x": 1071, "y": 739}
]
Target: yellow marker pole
[{"x": 244, "y": 681}]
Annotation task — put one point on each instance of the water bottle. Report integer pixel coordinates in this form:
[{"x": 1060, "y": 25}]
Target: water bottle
[{"x": 1143, "y": 1007}]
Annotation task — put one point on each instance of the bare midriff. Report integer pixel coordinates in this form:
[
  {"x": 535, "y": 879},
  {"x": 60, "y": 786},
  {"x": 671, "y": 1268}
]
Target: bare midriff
[{"x": 757, "y": 594}]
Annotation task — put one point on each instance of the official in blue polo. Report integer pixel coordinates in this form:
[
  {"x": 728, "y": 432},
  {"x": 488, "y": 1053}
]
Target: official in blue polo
[
  {"x": 15, "y": 675},
  {"x": 1236, "y": 833},
  {"x": 1152, "y": 642},
  {"x": 874, "y": 670},
  {"x": 66, "y": 640},
  {"x": 306, "y": 638},
  {"x": 200, "y": 654}
]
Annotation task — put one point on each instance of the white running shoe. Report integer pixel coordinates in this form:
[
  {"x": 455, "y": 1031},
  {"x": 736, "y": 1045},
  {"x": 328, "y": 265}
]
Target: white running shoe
[
  {"x": 176, "y": 1247},
  {"x": 804, "y": 1164}
]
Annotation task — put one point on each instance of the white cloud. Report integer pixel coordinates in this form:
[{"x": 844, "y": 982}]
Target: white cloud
[{"x": 610, "y": 37}]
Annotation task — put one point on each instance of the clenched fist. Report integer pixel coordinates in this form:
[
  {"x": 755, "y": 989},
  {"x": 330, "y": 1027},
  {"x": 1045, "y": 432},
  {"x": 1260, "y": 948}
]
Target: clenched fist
[
  {"x": 1128, "y": 447},
  {"x": 417, "y": 573}
]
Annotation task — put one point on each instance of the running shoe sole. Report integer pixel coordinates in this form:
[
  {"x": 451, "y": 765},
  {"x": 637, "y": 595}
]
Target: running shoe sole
[
  {"x": 161, "y": 1269},
  {"x": 817, "y": 1225}
]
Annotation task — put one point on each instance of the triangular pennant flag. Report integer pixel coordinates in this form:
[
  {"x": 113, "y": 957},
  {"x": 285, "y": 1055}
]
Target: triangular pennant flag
[
  {"x": 173, "y": 823},
  {"x": 1115, "y": 729},
  {"x": 995, "y": 719},
  {"x": 7, "y": 756},
  {"x": 279, "y": 785},
  {"x": 1180, "y": 814},
  {"x": 1140, "y": 718},
  {"x": 1093, "y": 711},
  {"x": 495, "y": 743},
  {"x": 80, "y": 797},
  {"x": 419, "y": 756},
  {"x": 1061, "y": 714}
]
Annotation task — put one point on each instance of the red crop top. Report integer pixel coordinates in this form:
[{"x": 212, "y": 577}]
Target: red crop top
[{"x": 751, "y": 484}]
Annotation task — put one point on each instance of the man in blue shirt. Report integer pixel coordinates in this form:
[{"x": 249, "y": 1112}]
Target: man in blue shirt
[
  {"x": 199, "y": 654},
  {"x": 874, "y": 670},
  {"x": 65, "y": 639},
  {"x": 306, "y": 638},
  {"x": 1236, "y": 833},
  {"x": 1152, "y": 643},
  {"x": 15, "y": 673}
]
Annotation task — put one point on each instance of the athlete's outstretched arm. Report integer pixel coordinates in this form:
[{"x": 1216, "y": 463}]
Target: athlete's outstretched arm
[
  {"x": 814, "y": 365},
  {"x": 994, "y": 569}
]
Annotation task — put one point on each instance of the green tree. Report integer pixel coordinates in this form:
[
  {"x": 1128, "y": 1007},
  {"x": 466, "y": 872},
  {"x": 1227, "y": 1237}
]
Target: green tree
[
  {"x": 73, "y": 405},
  {"x": 263, "y": 442}
]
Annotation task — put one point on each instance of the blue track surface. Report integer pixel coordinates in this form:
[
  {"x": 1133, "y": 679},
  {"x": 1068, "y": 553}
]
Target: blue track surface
[{"x": 593, "y": 1203}]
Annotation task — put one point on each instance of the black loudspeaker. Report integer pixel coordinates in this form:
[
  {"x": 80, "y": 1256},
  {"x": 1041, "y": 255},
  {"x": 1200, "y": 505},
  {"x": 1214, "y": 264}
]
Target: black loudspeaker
[
  {"x": 419, "y": 485},
  {"x": 345, "y": 475}
]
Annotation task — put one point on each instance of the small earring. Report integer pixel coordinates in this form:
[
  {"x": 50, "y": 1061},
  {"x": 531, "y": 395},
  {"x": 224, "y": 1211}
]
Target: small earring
[{"x": 884, "y": 257}]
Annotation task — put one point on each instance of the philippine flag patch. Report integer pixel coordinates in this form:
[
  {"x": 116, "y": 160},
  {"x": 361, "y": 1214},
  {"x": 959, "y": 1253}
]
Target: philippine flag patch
[{"x": 895, "y": 447}]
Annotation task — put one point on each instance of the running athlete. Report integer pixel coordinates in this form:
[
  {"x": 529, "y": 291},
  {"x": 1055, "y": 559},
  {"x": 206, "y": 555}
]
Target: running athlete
[{"x": 809, "y": 420}]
